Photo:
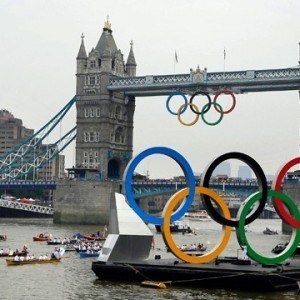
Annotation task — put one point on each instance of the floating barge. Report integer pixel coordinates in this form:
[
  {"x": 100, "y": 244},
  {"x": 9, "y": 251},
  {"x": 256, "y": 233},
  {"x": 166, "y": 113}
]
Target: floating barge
[
  {"x": 223, "y": 274},
  {"x": 125, "y": 257}
]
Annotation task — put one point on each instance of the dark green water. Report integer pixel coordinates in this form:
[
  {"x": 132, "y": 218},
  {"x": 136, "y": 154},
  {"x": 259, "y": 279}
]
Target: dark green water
[{"x": 74, "y": 279}]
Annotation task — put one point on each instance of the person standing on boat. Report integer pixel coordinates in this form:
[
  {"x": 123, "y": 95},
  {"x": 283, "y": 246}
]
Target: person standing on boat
[{"x": 245, "y": 256}]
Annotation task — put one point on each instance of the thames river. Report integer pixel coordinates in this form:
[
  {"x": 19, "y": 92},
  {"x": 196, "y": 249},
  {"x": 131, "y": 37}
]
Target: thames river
[{"x": 74, "y": 279}]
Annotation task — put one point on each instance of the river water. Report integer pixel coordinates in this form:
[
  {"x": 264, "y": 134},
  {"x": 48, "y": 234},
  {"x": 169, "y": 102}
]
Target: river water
[{"x": 74, "y": 279}]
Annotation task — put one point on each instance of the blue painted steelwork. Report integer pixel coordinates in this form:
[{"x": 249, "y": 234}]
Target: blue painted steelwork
[
  {"x": 40, "y": 159},
  {"x": 15, "y": 155},
  {"x": 146, "y": 189},
  {"x": 237, "y": 81}
]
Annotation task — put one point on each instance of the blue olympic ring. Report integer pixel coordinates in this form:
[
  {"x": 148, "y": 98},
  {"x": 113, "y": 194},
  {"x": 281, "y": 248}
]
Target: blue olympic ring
[
  {"x": 177, "y": 93},
  {"x": 187, "y": 170}
]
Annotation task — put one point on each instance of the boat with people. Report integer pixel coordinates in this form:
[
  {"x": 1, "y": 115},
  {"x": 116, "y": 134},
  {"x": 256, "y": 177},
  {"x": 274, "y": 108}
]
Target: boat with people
[
  {"x": 88, "y": 254},
  {"x": 269, "y": 231},
  {"x": 42, "y": 237},
  {"x": 192, "y": 248},
  {"x": 201, "y": 215},
  {"x": 12, "y": 254},
  {"x": 13, "y": 262}
]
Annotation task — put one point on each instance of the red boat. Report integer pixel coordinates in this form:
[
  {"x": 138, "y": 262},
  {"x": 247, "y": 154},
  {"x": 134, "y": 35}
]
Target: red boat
[
  {"x": 42, "y": 237},
  {"x": 93, "y": 237}
]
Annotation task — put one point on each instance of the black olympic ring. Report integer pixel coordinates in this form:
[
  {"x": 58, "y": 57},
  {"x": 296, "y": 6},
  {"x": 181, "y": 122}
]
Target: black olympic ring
[
  {"x": 261, "y": 179},
  {"x": 208, "y": 105}
]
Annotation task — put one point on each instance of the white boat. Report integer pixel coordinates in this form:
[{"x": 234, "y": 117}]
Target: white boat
[{"x": 201, "y": 215}]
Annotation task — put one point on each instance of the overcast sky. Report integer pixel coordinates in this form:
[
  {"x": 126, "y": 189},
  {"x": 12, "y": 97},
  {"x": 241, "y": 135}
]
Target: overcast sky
[{"x": 40, "y": 41}]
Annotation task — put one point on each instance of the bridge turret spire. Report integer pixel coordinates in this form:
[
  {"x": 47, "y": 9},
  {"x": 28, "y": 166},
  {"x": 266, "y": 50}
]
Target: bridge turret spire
[
  {"x": 131, "y": 63},
  {"x": 82, "y": 53}
]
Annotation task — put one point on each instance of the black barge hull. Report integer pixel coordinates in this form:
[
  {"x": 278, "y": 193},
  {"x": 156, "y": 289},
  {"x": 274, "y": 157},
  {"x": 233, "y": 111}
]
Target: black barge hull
[{"x": 214, "y": 276}]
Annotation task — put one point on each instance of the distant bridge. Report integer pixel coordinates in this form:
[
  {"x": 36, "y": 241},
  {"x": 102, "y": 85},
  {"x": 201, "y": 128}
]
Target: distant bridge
[
  {"x": 143, "y": 189},
  {"x": 17, "y": 209},
  {"x": 28, "y": 184}
]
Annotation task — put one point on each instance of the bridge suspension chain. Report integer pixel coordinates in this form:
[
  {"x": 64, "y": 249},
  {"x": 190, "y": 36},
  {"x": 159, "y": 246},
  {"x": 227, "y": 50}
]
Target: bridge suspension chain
[
  {"x": 12, "y": 157},
  {"x": 40, "y": 159}
]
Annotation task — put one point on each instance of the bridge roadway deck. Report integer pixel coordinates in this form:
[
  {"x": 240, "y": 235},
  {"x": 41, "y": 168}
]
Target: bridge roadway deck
[{"x": 237, "y": 81}]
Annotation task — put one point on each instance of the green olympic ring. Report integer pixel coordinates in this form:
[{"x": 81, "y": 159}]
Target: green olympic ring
[{"x": 241, "y": 234}]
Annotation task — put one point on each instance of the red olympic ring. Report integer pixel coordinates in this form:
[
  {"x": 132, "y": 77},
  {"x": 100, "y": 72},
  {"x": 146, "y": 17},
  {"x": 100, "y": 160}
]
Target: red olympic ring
[
  {"x": 227, "y": 92},
  {"x": 278, "y": 204}
]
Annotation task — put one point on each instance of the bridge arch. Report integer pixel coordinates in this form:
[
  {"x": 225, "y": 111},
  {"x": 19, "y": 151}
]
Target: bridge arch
[{"x": 113, "y": 168}]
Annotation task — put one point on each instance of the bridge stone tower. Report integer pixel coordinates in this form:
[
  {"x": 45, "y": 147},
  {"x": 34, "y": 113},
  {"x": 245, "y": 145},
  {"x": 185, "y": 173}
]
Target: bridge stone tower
[
  {"x": 104, "y": 135},
  {"x": 104, "y": 119}
]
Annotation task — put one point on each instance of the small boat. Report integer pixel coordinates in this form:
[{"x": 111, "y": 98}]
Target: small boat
[
  {"x": 86, "y": 255},
  {"x": 92, "y": 237},
  {"x": 53, "y": 242},
  {"x": 69, "y": 247},
  {"x": 280, "y": 247},
  {"x": 7, "y": 254},
  {"x": 201, "y": 215},
  {"x": 177, "y": 226},
  {"x": 12, "y": 262},
  {"x": 198, "y": 248},
  {"x": 42, "y": 237},
  {"x": 153, "y": 284},
  {"x": 269, "y": 231},
  {"x": 3, "y": 237}
]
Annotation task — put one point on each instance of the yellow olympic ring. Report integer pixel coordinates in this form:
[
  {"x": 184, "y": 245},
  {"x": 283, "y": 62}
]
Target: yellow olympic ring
[
  {"x": 180, "y": 111},
  {"x": 167, "y": 236}
]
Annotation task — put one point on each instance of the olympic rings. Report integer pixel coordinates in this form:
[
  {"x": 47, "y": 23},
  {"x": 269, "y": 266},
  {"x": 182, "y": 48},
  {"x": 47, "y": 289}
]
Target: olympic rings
[
  {"x": 179, "y": 115},
  {"x": 241, "y": 235},
  {"x": 177, "y": 93},
  {"x": 262, "y": 183},
  {"x": 243, "y": 218},
  {"x": 205, "y": 108},
  {"x": 187, "y": 172},
  {"x": 227, "y": 93},
  {"x": 276, "y": 185},
  {"x": 208, "y": 105},
  {"x": 167, "y": 236}
]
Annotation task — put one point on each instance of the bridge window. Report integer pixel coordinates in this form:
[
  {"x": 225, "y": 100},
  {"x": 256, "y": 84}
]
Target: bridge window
[
  {"x": 118, "y": 112},
  {"x": 113, "y": 169},
  {"x": 98, "y": 112},
  {"x": 91, "y": 136},
  {"x": 119, "y": 135},
  {"x": 92, "y": 80},
  {"x": 91, "y": 112},
  {"x": 93, "y": 64},
  {"x": 86, "y": 112},
  {"x": 97, "y": 137}
]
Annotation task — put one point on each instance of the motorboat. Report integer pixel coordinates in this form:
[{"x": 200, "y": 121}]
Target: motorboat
[{"x": 201, "y": 215}]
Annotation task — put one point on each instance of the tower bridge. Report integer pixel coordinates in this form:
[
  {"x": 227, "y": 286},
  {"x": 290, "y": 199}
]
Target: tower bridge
[{"x": 106, "y": 90}]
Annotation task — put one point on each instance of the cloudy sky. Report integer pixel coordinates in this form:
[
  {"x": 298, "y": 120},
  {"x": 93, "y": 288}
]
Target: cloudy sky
[{"x": 40, "y": 41}]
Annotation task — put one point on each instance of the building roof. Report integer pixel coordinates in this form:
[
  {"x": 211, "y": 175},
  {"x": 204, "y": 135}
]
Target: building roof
[{"x": 106, "y": 43}]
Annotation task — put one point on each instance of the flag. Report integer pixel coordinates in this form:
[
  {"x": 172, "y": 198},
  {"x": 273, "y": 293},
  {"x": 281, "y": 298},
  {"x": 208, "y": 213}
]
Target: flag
[
  {"x": 224, "y": 54},
  {"x": 176, "y": 58}
]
